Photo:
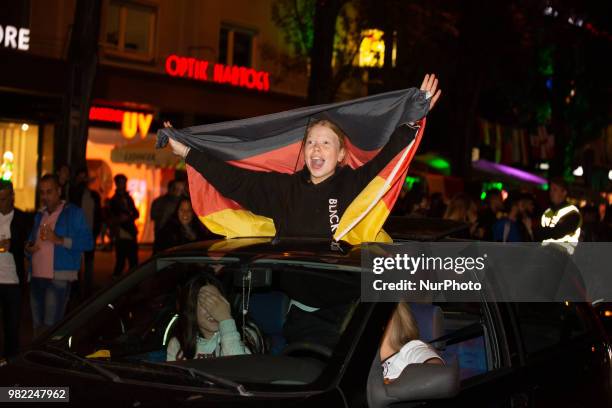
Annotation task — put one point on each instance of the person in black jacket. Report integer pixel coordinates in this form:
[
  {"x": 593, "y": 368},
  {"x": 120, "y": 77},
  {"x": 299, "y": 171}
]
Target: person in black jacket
[
  {"x": 89, "y": 201},
  {"x": 124, "y": 215},
  {"x": 312, "y": 201},
  {"x": 182, "y": 228},
  {"x": 15, "y": 225},
  {"x": 308, "y": 203}
]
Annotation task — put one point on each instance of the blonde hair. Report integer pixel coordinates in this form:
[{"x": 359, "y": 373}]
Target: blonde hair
[
  {"x": 330, "y": 125},
  {"x": 403, "y": 327}
]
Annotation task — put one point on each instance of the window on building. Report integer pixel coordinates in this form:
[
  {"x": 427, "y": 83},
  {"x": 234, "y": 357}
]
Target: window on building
[
  {"x": 18, "y": 160},
  {"x": 130, "y": 29},
  {"x": 372, "y": 49},
  {"x": 236, "y": 46}
]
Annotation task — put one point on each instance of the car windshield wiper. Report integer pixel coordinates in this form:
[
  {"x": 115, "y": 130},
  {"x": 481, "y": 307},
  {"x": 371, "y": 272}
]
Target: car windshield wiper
[
  {"x": 58, "y": 351},
  {"x": 195, "y": 373}
]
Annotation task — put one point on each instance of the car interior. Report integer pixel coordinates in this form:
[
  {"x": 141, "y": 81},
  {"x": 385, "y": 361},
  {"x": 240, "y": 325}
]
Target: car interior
[{"x": 133, "y": 322}]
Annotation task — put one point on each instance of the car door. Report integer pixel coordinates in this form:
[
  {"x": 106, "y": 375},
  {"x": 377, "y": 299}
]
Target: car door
[
  {"x": 566, "y": 357},
  {"x": 475, "y": 338}
]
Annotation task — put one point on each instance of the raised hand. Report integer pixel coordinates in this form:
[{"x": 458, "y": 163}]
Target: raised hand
[
  {"x": 177, "y": 147},
  {"x": 430, "y": 85}
]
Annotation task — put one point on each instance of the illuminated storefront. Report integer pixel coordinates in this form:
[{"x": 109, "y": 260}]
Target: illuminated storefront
[
  {"x": 19, "y": 149},
  {"x": 124, "y": 144}
]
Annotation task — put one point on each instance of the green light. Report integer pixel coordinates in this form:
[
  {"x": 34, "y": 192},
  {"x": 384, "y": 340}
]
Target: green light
[
  {"x": 409, "y": 183},
  {"x": 435, "y": 162},
  {"x": 483, "y": 195},
  {"x": 439, "y": 163},
  {"x": 492, "y": 185},
  {"x": 544, "y": 187}
]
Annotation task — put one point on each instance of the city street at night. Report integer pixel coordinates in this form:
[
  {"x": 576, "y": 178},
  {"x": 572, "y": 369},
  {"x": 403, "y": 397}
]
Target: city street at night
[{"x": 330, "y": 203}]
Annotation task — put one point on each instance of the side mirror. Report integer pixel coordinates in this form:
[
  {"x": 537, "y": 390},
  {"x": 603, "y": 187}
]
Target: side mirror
[{"x": 418, "y": 382}]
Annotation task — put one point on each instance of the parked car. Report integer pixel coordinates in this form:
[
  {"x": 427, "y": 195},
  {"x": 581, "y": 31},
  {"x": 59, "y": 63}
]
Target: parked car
[{"x": 112, "y": 350}]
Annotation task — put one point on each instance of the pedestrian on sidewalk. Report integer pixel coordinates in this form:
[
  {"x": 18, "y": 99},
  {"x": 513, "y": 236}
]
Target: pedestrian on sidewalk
[
  {"x": 124, "y": 214},
  {"x": 89, "y": 201},
  {"x": 56, "y": 244},
  {"x": 164, "y": 207},
  {"x": 182, "y": 228},
  {"x": 14, "y": 228}
]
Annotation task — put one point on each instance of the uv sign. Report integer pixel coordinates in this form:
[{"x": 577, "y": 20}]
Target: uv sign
[{"x": 135, "y": 122}]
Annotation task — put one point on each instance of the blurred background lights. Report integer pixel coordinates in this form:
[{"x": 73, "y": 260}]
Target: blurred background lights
[{"x": 578, "y": 172}]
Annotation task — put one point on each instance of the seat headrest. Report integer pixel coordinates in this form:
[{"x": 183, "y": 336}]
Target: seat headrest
[
  {"x": 430, "y": 320},
  {"x": 268, "y": 311}
]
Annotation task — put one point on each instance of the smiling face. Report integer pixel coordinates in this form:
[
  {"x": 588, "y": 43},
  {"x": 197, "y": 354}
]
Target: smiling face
[
  {"x": 322, "y": 152},
  {"x": 185, "y": 212},
  {"x": 207, "y": 324}
]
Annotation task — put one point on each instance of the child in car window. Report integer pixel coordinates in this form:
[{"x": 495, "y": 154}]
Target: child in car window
[
  {"x": 205, "y": 326},
  {"x": 401, "y": 345}
]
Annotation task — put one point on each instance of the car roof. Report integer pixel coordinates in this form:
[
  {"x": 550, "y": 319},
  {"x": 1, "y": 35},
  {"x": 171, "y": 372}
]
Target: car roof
[
  {"x": 317, "y": 249},
  {"x": 251, "y": 249}
]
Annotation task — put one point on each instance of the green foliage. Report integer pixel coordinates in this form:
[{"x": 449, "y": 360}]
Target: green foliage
[
  {"x": 545, "y": 61},
  {"x": 295, "y": 18}
]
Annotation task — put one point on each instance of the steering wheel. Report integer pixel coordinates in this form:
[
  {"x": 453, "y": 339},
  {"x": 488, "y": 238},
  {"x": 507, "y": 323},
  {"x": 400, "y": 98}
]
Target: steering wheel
[{"x": 308, "y": 347}]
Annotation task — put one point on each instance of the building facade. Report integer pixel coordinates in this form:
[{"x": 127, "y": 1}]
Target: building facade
[{"x": 186, "y": 61}]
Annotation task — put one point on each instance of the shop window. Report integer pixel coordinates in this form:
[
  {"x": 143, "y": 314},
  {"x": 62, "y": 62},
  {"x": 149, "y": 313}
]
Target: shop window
[
  {"x": 19, "y": 156},
  {"x": 236, "y": 46},
  {"x": 129, "y": 30}
]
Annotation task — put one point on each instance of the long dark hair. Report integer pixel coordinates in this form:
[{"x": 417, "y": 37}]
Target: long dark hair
[
  {"x": 188, "y": 329},
  {"x": 200, "y": 229}
]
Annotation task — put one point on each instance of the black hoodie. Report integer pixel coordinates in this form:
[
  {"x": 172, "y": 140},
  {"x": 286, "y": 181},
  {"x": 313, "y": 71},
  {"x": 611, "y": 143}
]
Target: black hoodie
[{"x": 296, "y": 205}]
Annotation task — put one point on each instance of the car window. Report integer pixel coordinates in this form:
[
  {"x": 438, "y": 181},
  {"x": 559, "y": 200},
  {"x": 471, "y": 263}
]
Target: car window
[
  {"x": 458, "y": 333},
  {"x": 467, "y": 340},
  {"x": 289, "y": 315},
  {"x": 546, "y": 325}
]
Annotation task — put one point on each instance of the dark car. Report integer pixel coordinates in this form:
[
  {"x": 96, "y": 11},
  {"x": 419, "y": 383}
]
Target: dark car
[{"x": 112, "y": 350}]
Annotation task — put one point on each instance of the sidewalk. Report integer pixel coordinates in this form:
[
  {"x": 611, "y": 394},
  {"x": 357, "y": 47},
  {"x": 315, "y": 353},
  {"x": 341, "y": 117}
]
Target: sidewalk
[{"x": 104, "y": 263}]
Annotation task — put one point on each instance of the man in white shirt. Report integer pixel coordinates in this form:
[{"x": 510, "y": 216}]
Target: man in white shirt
[{"x": 14, "y": 227}]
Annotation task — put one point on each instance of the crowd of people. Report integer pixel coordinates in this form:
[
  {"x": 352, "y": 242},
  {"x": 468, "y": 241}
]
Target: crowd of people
[
  {"x": 49, "y": 255},
  {"x": 516, "y": 216}
]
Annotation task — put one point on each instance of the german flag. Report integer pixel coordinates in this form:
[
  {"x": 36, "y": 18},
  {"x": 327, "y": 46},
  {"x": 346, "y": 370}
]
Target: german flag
[{"x": 274, "y": 143}]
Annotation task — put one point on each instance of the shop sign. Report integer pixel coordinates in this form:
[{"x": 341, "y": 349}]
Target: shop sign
[
  {"x": 15, "y": 38},
  {"x": 192, "y": 68},
  {"x": 131, "y": 122}
]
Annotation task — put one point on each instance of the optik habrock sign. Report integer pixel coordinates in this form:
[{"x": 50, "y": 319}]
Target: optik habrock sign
[{"x": 188, "y": 67}]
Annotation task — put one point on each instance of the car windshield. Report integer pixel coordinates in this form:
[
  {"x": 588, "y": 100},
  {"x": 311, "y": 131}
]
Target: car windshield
[{"x": 290, "y": 317}]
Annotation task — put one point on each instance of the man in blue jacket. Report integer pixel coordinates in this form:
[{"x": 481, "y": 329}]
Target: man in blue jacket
[{"x": 58, "y": 239}]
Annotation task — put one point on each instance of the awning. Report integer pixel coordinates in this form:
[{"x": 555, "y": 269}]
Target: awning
[{"x": 144, "y": 152}]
